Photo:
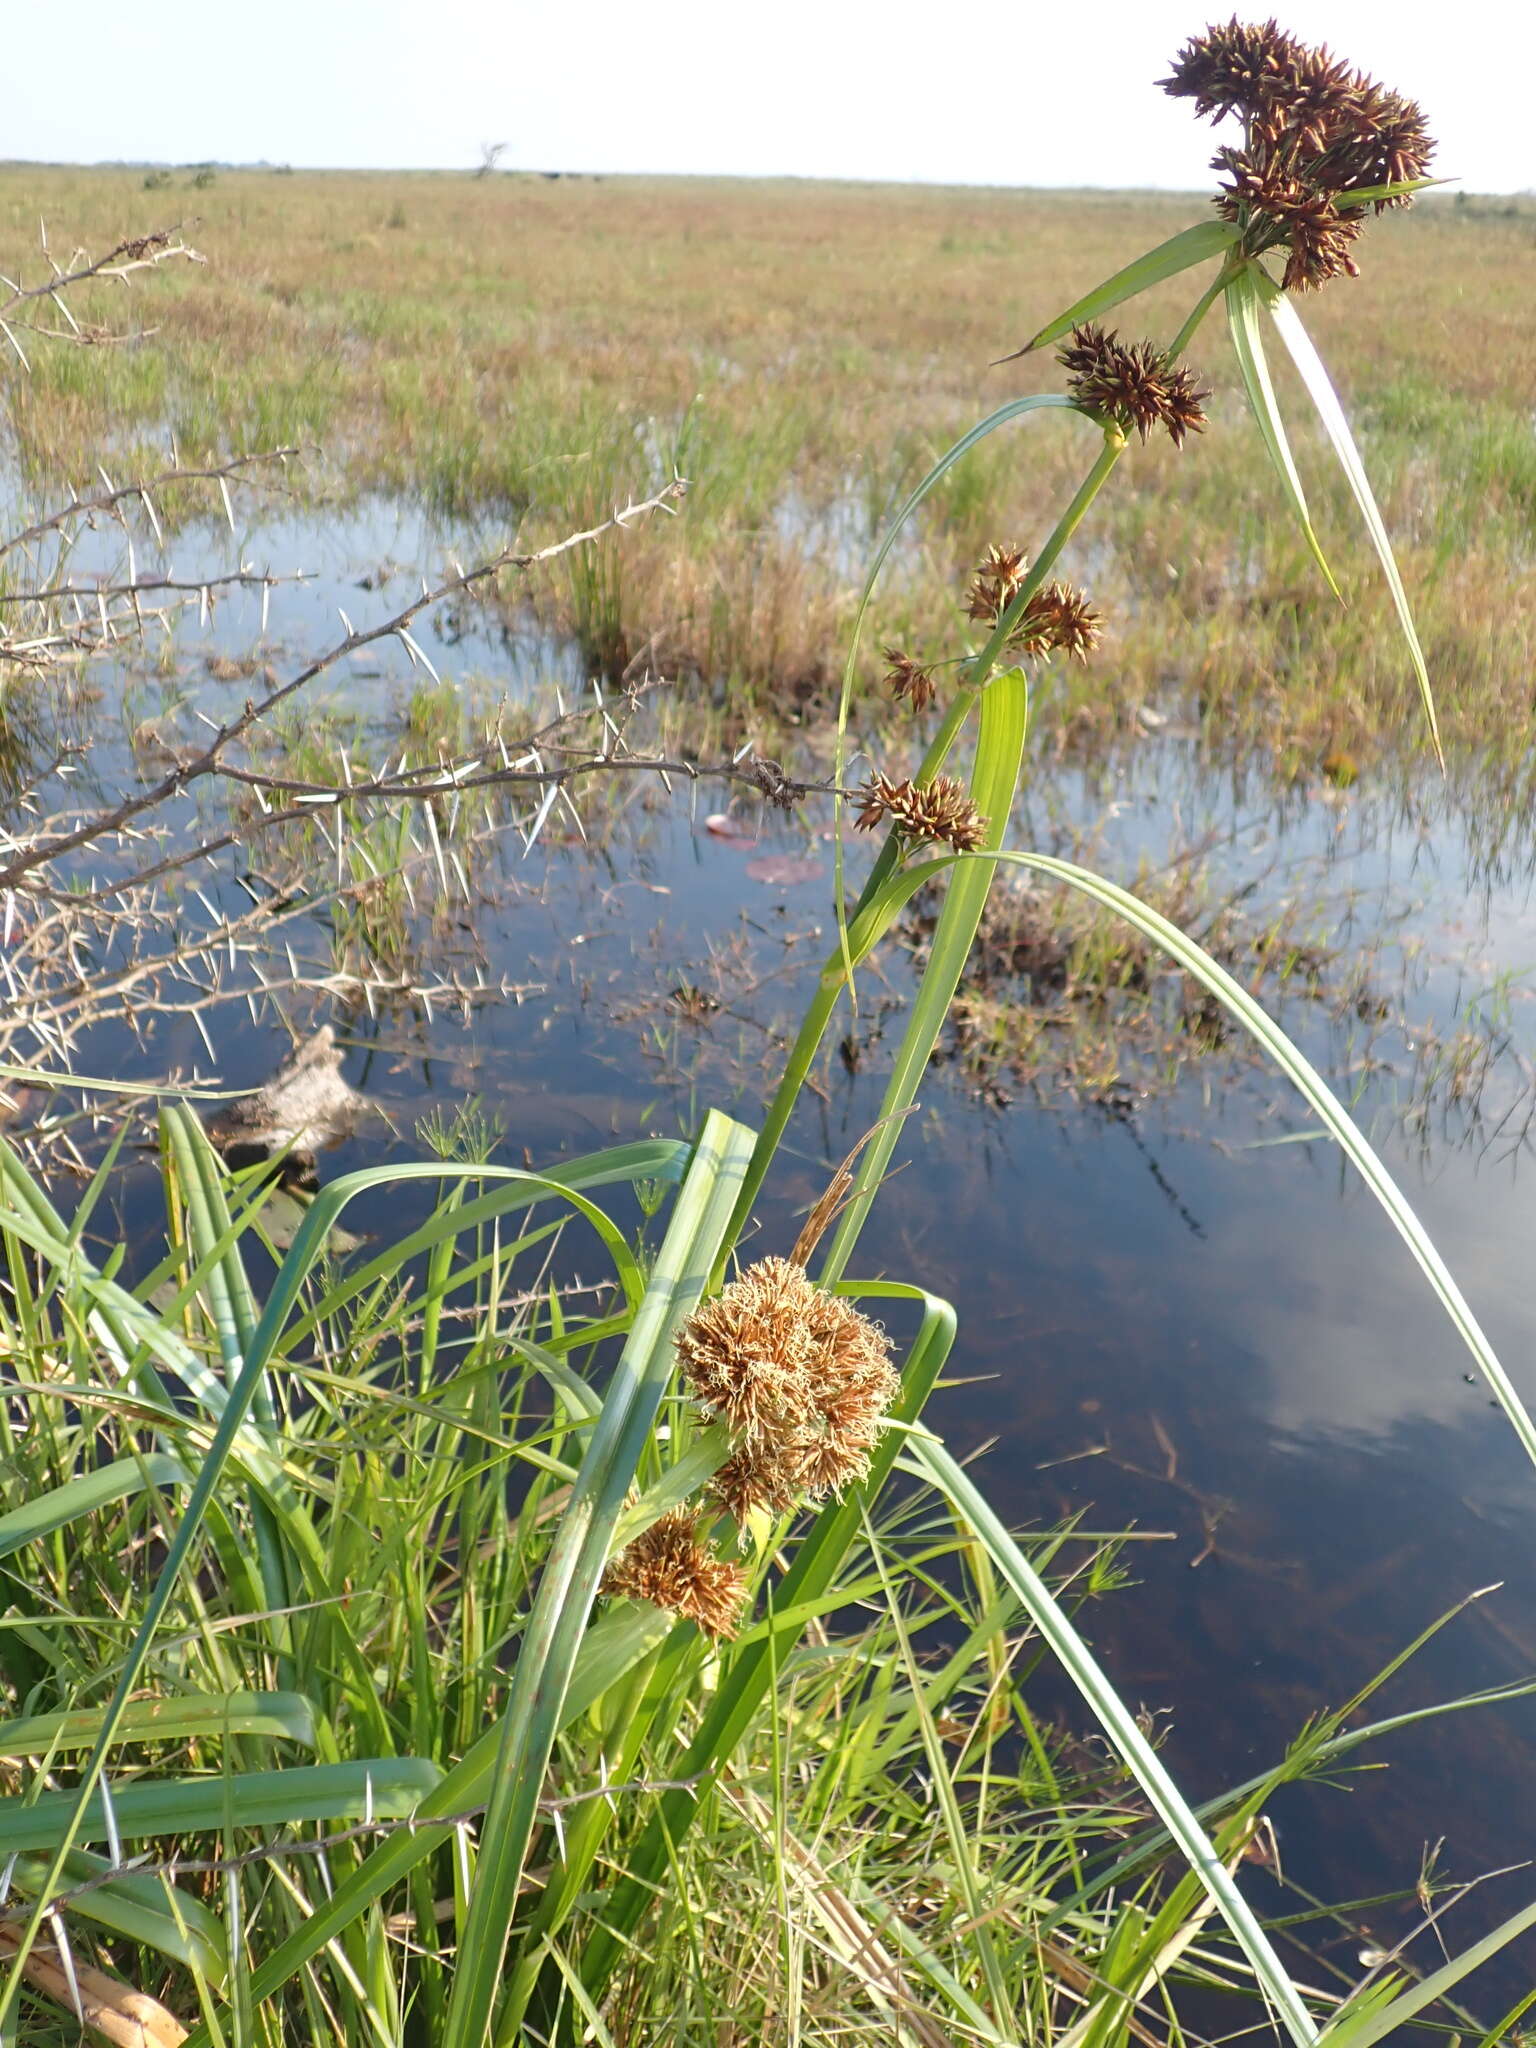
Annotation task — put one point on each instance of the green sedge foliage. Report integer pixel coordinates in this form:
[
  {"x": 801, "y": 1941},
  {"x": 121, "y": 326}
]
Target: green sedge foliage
[{"x": 329, "y": 1565}]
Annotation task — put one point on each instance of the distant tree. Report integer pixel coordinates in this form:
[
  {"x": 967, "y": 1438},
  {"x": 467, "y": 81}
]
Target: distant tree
[{"x": 490, "y": 154}]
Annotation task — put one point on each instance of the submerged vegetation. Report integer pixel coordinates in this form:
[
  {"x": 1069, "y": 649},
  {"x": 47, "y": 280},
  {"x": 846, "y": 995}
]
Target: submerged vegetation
[{"x": 559, "y": 1622}]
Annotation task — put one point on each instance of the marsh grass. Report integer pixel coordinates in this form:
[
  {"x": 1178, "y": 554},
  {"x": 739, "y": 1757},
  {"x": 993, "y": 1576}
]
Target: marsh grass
[
  {"x": 529, "y": 348},
  {"x": 895, "y": 1829}
]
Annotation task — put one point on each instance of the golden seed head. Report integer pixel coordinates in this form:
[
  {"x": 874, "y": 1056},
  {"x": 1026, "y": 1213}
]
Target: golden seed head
[
  {"x": 668, "y": 1566},
  {"x": 940, "y": 809}
]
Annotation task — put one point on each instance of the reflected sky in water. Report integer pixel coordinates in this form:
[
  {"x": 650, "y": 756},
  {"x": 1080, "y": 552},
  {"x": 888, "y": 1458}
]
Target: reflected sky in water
[{"x": 1178, "y": 1313}]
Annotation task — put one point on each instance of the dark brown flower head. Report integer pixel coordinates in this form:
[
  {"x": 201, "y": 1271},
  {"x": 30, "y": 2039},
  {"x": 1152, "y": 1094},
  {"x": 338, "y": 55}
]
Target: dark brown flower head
[
  {"x": 802, "y": 1379},
  {"x": 1279, "y": 208},
  {"x": 669, "y": 1566},
  {"x": 1390, "y": 144},
  {"x": 1314, "y": 131},
  {"x": 1318, "y": 99},
  {"x": 906, "y": 678},
  {"x": 940, "y": 809},
  {"x": 996, "y": 583},
  {"x": 1057, "y": 619},
  {"x": 1183, "y": 404},
  {"x": 1233, "y": 68},
  {"x": 1133, "y": 386},
  {"x": 1319, "y": 242}
]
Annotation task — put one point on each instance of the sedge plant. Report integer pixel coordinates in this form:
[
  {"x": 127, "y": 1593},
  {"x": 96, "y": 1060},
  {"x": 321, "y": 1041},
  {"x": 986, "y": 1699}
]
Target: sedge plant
[{"x": 426, "y": 1653}]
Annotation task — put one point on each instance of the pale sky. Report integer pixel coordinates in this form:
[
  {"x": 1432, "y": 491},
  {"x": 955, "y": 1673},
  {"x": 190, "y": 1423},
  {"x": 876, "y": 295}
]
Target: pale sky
[{"x": 999, "y": 94}]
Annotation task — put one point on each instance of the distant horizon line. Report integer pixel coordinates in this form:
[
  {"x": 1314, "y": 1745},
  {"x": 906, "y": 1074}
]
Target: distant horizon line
[{"x": 280, "y": 168}]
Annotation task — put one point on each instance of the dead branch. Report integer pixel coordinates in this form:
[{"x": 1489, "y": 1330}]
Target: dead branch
[
  {"x": 113, "y": 496},
  {"x": 137, "y": 252},
  {"x": 144, "y": 586},
  {"x": 109, "y": 824}
]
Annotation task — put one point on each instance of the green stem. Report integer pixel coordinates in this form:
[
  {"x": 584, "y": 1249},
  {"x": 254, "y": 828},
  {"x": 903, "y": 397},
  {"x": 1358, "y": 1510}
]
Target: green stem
[
  {"x": 838, "y": 973},
  {"x": 994, "y": 783},
  {"x": 1202, "y": 306}
]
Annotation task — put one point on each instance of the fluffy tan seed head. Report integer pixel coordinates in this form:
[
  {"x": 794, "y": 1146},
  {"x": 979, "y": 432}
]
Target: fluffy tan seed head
[
  {"x": 668, "y": 1566},
  {"x": 802, "y": 1378}
]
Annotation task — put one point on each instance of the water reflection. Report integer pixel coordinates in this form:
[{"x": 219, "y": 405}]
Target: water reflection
[{"x": 1178, "y": 1311}]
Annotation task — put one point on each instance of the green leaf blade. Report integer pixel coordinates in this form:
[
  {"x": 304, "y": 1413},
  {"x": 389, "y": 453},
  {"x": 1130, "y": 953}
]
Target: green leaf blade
[
  {"x": 1310, "y": 368},
  {"x": 1180, "y": 252},
  {"x": 1242, "y": 297},
  {"x": 386, "y": 1787},
  {"x": 76, "y": 1498},
  {"x": 280, "y": 1716}
]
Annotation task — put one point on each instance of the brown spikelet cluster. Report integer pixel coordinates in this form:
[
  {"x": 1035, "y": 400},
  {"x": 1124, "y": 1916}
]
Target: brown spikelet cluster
[
  {"x": 908, "y": 679},
  {"x": 1057, "y": 619},
  {"x": 801, "y": 1378},
  {"x": 996, "y": 583},
  {"x": 670, "y": 1567},
  {"x": 1134, "y": 386},
  {"x": 1315, "y": 131},
  {"x": 940, "y": 809}
]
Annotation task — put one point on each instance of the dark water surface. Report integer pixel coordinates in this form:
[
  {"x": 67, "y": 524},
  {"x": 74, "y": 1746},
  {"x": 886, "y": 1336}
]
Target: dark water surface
[{"x": 1178, "y": 1312}]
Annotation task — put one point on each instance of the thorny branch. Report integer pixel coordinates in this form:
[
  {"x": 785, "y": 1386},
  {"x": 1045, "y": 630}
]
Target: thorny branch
[
  {"x": 103, "y": 910},
  {"x": 136, "y": 252},
  {"x": 61, "y": 619},
  {"x": 113, "y": 496},
  {"x": 83, "y": 940},
  {"x": 108, "y": 824}
]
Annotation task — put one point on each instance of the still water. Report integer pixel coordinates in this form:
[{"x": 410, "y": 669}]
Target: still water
[{"x": 1180, "y": 1315}]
